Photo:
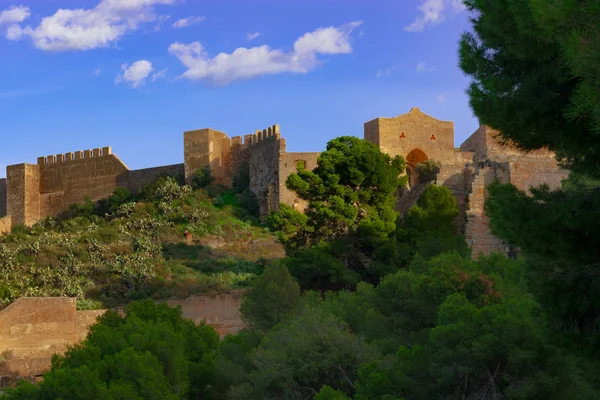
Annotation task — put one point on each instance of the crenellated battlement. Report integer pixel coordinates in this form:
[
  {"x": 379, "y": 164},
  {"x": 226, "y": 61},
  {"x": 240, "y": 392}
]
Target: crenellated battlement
[
  {"x": 259, "y": 136},
  {"x": 74, "y": 156}
]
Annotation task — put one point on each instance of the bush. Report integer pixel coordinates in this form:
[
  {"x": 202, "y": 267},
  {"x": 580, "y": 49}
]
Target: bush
[
  {"x": 202, "y": 178},
  {"x": 428, "y": 170}
]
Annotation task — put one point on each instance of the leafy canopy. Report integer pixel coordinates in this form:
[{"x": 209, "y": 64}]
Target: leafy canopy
[
  {"x": 351, "y": 190},
  {"x": 535, "y": 69}
]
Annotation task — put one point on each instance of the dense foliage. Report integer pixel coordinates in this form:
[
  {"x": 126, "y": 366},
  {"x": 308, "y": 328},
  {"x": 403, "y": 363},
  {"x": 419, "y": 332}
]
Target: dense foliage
[
  {"x": 535, "y": 70},
  {"x": 352, "y": 190},
  {"x": 534, "y": 65}
]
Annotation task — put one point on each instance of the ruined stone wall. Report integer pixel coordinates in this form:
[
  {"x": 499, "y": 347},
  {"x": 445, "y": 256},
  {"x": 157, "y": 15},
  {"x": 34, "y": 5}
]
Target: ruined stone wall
[
  {"x": 456, "y": 173},
  {"x": 206, "y": 147},
  {"x": 288, "y": 165},
  {"x": 2, "y": 197},
  {"x": 139, "y": 178},
  {"x": 477, "y": 232},
  {"x": 33, "y": 329},
  {"x": 23, "y": 197},
  {"x": 69, "y": 178}
]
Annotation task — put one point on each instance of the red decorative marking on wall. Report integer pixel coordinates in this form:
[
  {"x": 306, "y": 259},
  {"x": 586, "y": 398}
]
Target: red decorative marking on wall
[
  {"x": 403, "y": 135},
  {"x": 433, "y": 137}
]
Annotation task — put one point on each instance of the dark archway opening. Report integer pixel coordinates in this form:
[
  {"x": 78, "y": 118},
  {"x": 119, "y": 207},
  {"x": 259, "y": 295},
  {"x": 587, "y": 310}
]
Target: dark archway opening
[{"x": 413, "y": 158}]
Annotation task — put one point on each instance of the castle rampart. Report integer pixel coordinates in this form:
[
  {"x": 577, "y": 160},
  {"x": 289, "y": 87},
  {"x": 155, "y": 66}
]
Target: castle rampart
[{"x": 71, "y": 177}]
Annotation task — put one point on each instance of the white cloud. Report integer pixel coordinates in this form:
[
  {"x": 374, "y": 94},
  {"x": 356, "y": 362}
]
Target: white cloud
[
  {"x": 441, "y": 97},
  {"x": 385, "y": 72},
  {"x": 97, "y": 72},
  {"x": 252, "y": 36},
  {"x": 136, "y": 74},
  {"x": 423, "y": 67},
  {"x": 185, "y": 22},
  {"x": 14, "y": 14},
  {"x": 85, "y": 29},
  {"x": 434, "y": 12},
  {"x": 246, "y": 63},
  {"x": 160, "y": 74}
]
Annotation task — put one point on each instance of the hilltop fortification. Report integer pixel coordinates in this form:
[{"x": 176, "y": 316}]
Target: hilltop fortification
[{"x": 34, "y": 191}]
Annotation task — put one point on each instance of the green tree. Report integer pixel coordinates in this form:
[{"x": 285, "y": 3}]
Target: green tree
[
  {"x": 559, "y": 235},
  {"x": 429, "y": 227},
  {"x": 111, "y": 204},
  {"x": 297, "y": 358},
  {"x": 202, "y": 178},
  {"x": 428, "y": 170},
  {"x": 534, "y": 66},
  {"x": 491, "y": 351},
  {"x": 274, "y": 296},
  {"x": 327, "y": 393},
  {"x": 352, "y": 190}
]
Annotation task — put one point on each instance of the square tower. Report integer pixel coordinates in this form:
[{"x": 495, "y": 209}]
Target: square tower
[{"x": 206, "y": 147}]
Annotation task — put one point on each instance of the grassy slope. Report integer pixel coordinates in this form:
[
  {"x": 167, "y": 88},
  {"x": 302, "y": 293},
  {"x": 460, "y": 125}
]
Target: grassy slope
[{"x": 137, "y": 251}]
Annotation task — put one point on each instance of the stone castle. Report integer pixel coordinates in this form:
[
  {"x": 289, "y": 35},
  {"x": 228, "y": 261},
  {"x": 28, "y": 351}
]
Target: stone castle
[{"x": 32, "y": 192}]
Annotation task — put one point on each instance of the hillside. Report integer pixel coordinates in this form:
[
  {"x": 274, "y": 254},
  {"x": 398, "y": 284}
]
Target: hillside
[{"x": 129, "y": 247}]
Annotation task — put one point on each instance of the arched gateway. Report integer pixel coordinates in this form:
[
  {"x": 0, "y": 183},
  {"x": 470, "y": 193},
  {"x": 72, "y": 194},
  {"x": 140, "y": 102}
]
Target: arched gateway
[{"x": 413, "y": 158}]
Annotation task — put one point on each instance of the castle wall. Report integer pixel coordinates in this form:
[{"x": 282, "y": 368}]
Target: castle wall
[
  {"x": 239, "y": 153},
  {"x": 2, "y": 197},
  {"x": 141, "y": 177},
  {"x": 287, "y": 166},
  {"x": 69, "y": 178},
  {"x": 371, "y": 131},
  {"x": 23, "y": 198},
  {"x": 266, "y": 151}
]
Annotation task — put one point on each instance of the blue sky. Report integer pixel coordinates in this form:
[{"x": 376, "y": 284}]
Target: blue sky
[{"x": 135, "y": 74}]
